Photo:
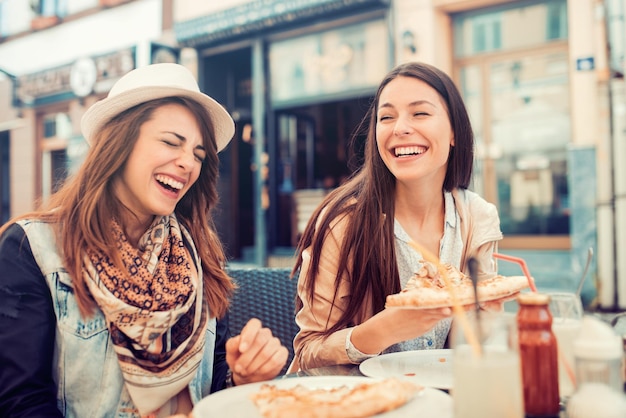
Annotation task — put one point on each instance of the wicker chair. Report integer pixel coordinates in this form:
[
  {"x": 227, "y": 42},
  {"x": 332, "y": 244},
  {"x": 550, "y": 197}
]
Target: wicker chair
[{"x": 268, "y": 294}]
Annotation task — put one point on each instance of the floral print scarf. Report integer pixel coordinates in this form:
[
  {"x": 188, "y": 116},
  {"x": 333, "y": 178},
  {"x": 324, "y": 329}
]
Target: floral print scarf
[{"x": 153, "y": 309}]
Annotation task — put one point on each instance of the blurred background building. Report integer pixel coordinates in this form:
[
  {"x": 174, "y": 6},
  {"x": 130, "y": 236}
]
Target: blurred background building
[{"x": 543, "y": 81}]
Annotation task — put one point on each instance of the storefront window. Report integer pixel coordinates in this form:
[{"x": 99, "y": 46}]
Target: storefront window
[
  {"x": 514, "y": 76},
  {"x": 323, "y": 66},
  {"x": 530, "y": 127}
]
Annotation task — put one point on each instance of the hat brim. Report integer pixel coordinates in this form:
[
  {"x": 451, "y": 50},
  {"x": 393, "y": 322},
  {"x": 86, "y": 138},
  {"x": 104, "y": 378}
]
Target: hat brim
[{"x": 106, "y": 109}]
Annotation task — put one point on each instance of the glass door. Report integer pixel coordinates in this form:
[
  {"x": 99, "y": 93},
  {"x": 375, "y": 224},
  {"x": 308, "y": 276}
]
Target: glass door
[
  {"x": 295, "y": 167},
  {"x": 296, "y": 152}
]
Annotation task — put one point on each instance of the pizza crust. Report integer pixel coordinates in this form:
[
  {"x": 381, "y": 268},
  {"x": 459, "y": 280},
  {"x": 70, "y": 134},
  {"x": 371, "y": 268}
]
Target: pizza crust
[
  {"x": 362, "y": 400},
  {"x": 427, "y": 289}
]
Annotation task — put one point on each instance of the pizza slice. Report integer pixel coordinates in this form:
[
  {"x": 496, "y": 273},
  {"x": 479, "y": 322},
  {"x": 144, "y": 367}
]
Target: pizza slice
[
  {"x": 428, "y": 289},
  {"x": 362, "y": 400}
]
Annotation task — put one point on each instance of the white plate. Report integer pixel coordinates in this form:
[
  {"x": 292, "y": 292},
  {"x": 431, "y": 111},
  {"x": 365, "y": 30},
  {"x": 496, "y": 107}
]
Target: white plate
[
  {"x": 427, "y": 367},
  {"x": 235, "y": 402}
]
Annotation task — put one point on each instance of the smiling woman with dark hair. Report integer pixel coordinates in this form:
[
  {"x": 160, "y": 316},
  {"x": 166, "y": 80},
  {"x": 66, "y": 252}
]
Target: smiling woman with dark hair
[
  {"x": 113, "y": 297},
  {"x": 412, "y": 187}
]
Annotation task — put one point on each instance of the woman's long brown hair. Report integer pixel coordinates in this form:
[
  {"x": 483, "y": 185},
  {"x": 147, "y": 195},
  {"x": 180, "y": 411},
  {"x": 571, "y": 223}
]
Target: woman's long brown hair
[
  {"x": 84, "y": 207},
  {"x": 367, "y": 258}
]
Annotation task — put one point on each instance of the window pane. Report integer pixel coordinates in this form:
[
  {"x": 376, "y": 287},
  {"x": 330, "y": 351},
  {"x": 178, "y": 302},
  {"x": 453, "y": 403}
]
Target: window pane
[
  {"x": 59, "y": 168},
  {"x": 471, "y": 88},
  {"x": 530, "y": 126},
  {"x": 50, "y": 7},
  {"x": 557, "y": 20},
  {"x": 50, "y": 126}
]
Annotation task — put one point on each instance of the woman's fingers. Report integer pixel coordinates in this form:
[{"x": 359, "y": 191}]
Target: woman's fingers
[
  {"x": 255, "y": 354},
  {"x": 249, "y": 333},
  {"x": 267, "y": 363}
]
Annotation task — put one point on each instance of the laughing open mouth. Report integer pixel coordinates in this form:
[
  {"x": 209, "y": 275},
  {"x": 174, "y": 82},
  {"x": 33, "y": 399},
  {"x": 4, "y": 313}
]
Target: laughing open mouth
[
  {"x": 408, "y": 151},
  {"x": 169, "y": 183}
]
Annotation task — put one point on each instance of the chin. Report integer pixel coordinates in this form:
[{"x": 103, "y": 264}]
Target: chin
[{"x": 164, "y": 211}]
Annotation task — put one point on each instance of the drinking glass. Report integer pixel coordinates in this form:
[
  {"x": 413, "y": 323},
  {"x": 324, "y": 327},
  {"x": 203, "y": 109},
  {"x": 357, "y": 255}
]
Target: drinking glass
[
  {"x": 619, "y": 326},
  {"x": 567, "y": 314},
  {"x": 489, "y": 384}
]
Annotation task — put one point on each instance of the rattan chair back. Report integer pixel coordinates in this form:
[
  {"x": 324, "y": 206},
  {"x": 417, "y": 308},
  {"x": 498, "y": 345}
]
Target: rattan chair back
[{"x": 267, "y": 293}]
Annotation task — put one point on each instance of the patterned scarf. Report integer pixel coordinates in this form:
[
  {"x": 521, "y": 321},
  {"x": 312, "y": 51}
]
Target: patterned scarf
[{"x": 153, "y": 309}]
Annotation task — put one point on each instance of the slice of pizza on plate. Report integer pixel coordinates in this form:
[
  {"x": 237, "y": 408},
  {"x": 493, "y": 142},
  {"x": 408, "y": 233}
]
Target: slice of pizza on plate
[
  {"x": 428, "y": 288},
  {"x": 361, "y": 400}
]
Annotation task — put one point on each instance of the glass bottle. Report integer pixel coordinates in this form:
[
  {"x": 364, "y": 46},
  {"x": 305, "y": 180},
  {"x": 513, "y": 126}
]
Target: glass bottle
[{"x": 538, "y": 356}]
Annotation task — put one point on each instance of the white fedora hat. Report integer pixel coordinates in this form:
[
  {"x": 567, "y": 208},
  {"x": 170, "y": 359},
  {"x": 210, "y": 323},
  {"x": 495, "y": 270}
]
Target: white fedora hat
[{"x": 154, "y": 82}]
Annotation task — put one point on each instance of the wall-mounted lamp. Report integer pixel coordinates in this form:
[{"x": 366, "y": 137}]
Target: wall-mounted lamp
[{"x": 408, "y": 41}]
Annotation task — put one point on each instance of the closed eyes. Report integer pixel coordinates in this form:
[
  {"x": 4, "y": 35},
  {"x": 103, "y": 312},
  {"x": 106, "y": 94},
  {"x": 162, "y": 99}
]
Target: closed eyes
[{"x": 200, "y": 157}]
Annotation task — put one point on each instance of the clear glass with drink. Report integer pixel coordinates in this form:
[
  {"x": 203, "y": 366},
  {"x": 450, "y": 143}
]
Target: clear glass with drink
[
  {"x": 567, "y": 314},
  {"x": 487, "y": 378}
]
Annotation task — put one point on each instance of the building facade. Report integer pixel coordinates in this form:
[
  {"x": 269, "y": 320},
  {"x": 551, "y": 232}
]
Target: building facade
[
  {"x": 57, "y": 58},
  {"x": 545, "y": 94}
]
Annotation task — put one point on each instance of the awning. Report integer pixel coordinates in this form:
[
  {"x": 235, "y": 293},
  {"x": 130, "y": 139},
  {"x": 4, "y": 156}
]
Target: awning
[{"x": 257, "y": 16}]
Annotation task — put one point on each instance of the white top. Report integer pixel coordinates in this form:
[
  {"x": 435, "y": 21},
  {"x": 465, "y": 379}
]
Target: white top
[{"x": 408, "y": 259}]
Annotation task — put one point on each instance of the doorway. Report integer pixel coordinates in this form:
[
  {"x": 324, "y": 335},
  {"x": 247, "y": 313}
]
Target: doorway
[
  {"x": 227, "y": 78},
  {"x": 317, "y": 148}
]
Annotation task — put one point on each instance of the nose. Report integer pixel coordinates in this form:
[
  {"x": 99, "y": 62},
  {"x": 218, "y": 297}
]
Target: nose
[
  {"x": 402, "y": 127},
  {"x": 186, "y": 159}
]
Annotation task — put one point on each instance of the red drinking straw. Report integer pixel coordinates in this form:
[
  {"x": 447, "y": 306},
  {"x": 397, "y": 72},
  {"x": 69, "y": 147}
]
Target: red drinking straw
[{"x": 522, "y": 264}]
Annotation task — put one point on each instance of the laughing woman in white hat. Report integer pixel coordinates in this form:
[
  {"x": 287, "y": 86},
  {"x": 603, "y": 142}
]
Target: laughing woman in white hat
[{"x": 113, "y": 297}]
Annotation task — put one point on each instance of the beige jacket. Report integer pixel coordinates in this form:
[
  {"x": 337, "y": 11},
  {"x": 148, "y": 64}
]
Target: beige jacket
[{"x": 480, "y": 232}]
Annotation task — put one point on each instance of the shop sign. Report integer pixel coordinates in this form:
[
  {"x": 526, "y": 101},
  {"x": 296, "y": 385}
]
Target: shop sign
[
  {"x": 331, "y": 63},
  {"x": 84, "y": 76},
  {"x": 259, "y": 15},
  {"x": 585, "y": 64}
]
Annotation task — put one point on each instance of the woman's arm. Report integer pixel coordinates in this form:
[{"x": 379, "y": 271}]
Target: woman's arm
[
  {"x": 312, "y": 348},
  {"x": 27, "y": 329}
]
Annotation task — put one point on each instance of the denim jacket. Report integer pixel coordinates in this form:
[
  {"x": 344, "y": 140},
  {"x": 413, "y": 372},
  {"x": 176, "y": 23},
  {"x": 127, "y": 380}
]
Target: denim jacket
[{"x": 85, "y": 366}]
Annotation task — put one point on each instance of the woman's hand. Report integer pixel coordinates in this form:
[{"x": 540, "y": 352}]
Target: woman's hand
[
  {"x": 393, "y": 325},
  {"x": 255, "y": 355}
]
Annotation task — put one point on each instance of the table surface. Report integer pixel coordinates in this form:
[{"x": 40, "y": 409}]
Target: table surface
[{"x": 617, "y": 321}]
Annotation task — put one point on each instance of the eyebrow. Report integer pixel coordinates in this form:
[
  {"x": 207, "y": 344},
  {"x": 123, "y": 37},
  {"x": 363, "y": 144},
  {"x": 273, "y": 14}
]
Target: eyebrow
[
  {"x": 415, "y": 103},
  {"x": 182, "y": 138}
]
